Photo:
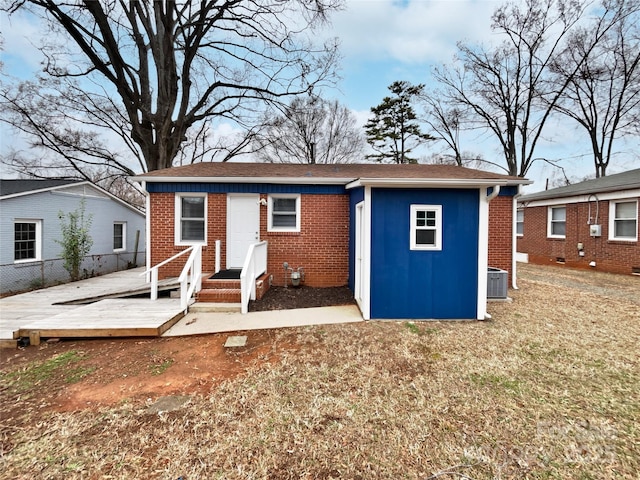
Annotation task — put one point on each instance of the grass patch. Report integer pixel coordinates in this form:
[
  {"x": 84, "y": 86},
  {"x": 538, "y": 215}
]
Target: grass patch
[
  {"x": 34, "y": 374},
  {"x": 161, "y": 367},
  {"x": 79, "y": 373}
]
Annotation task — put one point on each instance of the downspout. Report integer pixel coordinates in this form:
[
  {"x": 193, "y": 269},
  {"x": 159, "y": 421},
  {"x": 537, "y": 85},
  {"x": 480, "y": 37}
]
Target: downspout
[
  {"x": 494, "y": 193},
  {"x": 514, "y": 244},
  {"x": 147, "y": 226},
  {"x": 483, "y": 260}
]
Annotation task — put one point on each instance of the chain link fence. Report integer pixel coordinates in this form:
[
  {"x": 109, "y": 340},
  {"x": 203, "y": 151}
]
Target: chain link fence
[{"x": 20, "y": 277}]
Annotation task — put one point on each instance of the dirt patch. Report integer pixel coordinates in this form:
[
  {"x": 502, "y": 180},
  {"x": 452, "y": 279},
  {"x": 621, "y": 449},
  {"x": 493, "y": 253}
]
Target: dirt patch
[
  {"x": 108, "y": 372},
  {"x": 281, "y": 298}
]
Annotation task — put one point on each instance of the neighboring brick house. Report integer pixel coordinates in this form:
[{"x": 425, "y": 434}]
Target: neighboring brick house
[
  {"x": 411, "y": 241},
  {"x": 591, "y": 224}
]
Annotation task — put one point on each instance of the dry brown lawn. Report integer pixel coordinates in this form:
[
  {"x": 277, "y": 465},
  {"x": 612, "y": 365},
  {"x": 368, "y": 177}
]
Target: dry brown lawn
[{"x": 549, "y": 388}]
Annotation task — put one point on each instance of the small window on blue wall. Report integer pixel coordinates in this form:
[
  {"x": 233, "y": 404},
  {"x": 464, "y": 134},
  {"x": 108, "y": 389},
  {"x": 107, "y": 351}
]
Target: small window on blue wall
[{"x": 426, "y": 227}]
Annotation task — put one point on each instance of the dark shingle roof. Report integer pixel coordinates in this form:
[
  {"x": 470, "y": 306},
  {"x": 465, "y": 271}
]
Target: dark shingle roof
[
  {"x": 611, "y": 183},
  {"x": 341, "y": 172},
  {"x": 11, "y": 187}
]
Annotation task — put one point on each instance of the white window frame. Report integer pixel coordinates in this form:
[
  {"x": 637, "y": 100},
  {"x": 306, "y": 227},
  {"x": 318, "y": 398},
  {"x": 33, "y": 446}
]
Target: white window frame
[
  {"x": 612, "y": 221},
  {"x": 437, "y": 228},
  {"x": 38, "y": 240},
  {"x": 271, "y": 198},
  {"x": 123, "y": 248},
  {"x": 178, "y": 219},
  {"x": 519, "y": 221},
  {"x": 550, "y": 221}
]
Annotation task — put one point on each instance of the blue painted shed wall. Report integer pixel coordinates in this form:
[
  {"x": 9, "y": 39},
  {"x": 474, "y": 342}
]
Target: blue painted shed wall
[
  {"x": 356, "y": 196},
  {"x": 407, "y": 283},
  {"x": 506, "y": 191},
  {"x": 187, "y": 187}
]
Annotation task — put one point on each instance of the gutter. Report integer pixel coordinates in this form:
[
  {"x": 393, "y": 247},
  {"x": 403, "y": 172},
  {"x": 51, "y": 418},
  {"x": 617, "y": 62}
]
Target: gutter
[
  {"x": 303, "y": 180},
  {"x": 426, "y": 182}
]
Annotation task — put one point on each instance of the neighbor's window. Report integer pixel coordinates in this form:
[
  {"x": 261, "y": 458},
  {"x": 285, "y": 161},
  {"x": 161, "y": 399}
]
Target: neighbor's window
[
  {"x": 191, "y": 214},
  {"x": 623, "y": 220},
  {"x": 27, "y": 240},
  {"x": 284, "y": 213},
  {"x": 557, "y": 226},
  {"x": 520, "y": 222},
  {"x": 426, "y": 227},
  {"x": 119, "y": 236}
]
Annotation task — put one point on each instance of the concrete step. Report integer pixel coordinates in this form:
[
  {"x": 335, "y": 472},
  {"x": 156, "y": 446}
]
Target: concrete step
[{"x": 204, "y": 307}]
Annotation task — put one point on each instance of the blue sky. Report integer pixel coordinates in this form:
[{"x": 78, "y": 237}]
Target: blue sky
[{"x": 383, "y": 41}]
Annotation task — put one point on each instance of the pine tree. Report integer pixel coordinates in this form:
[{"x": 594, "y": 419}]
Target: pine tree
[{"x": 394, "y": 131}]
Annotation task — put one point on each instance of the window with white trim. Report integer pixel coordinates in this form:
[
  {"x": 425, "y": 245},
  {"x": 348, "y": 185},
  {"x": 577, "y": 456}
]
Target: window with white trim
[
  {"x": 27, "y": 244},
  {"x": 520, "y": 222},
  {"x": 623, "y": 220},
  {"x": 426, "y": 227},
  {"x": 557, "y": 222},
  {"x": 284, "y": 213},
  {"x": 191, "y": 215},
  {"x": 119, "y": 236}
]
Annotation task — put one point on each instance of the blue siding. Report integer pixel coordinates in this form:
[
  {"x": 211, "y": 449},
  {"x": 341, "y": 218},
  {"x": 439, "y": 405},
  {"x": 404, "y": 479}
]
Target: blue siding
[
  {"x": 355, "y": 196},
  {"x": 424, "y": 284},
  {"x": 243, "y": 188},
  {"x": 507, "y": 191}
]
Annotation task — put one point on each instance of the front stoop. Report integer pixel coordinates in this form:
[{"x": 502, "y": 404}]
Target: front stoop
[
  {"x": 209, "y": 307},
  {"x": 228, "y": 291}
]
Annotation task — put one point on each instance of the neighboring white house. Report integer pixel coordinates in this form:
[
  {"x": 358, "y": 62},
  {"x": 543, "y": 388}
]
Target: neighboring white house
[{"x": 30, "y": 226}]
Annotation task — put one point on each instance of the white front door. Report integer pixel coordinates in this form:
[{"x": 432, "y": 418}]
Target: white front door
[{"x": 243, "y": 226}]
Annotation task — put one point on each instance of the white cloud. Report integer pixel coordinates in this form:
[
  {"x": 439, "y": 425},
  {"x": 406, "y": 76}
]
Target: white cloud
[
  {"x": 415, "y": 31},
  {"x": 21, "y": 33}
]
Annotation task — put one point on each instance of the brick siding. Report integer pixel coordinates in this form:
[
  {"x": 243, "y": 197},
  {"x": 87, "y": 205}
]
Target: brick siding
[
  {"x": 321, "y": 246},
  {"x": 609, "y": 255},
  {"x": 500, "y": 233}
]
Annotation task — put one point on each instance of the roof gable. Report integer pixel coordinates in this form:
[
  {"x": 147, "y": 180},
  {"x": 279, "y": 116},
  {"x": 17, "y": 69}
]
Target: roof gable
[
  {"x": 82, "y": 188},
  {"x": 611, "y": 183},
  {"x": 13, "y": 187}
]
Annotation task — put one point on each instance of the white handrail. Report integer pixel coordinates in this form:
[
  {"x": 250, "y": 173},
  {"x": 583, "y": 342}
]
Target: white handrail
[
  {"x": 255, "y": 264},
  {"x": 190, "y": 278}
]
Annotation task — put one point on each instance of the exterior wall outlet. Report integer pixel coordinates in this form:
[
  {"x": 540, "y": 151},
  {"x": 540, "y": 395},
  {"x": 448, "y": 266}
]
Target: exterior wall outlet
[
  {"x": 595, "y": 230},
  {"x": 581, "y": 253}
]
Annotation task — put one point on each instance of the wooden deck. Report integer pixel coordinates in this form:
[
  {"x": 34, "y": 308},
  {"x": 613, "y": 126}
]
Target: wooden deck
[{"x": 64, "y": 312}]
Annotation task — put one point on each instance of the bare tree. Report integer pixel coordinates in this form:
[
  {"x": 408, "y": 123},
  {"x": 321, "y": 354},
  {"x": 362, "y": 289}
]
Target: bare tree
[
  {"x": 310, "y": 130},
  {"x": 446, "y": 122},
  {"x": 157, "y": 72},
  {"x": 603, "y": 96},
  {"x": 509, "y": 88}
]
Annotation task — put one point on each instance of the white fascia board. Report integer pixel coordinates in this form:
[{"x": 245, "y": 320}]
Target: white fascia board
[
  {"x": 548, "y": 202},
  {"x": 276, "y": 180},
  {"x": 426, "y": 182}
]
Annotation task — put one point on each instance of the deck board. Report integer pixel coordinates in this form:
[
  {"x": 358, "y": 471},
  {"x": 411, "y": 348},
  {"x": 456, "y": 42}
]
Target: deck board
[
  {"x": 58, "y": 311},
  {"x": 111, "y": 317}
]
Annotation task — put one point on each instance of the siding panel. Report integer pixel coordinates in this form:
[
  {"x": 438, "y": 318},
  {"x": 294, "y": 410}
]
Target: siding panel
[{"x": 424, "y": 284}]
